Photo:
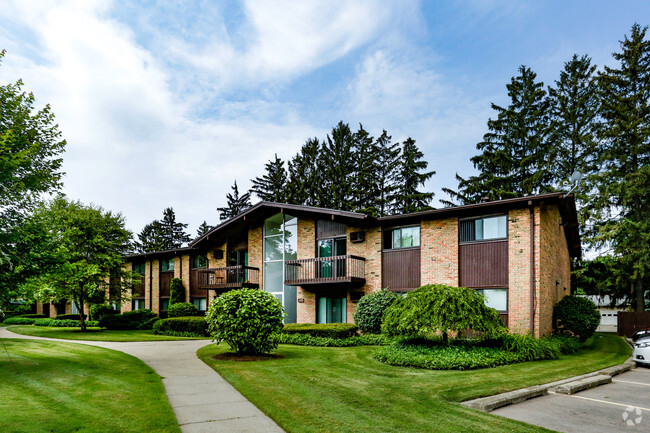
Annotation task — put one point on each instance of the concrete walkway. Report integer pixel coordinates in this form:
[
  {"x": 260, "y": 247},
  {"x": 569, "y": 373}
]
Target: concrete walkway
[{"x": 202, "y": 400}]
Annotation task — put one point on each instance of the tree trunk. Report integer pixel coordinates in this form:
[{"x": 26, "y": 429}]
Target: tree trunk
[
  {"x": 82, "y": 319},
  {"x": 445, "y": 337},
  {"x": 640, "y": 299}
]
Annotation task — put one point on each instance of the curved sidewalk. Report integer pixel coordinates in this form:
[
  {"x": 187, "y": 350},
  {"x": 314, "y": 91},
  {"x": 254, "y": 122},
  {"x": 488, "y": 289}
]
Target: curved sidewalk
[{"x": 201, "y": 399}]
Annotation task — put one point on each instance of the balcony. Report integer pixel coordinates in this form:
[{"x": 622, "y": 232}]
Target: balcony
[
  {"x": 325, "y": 270},
  {"x": 229, "y": 277}
]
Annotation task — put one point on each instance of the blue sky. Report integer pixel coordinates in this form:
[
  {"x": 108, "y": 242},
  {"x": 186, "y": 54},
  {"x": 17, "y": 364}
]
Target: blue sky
[{"x": 167, "y": 104}]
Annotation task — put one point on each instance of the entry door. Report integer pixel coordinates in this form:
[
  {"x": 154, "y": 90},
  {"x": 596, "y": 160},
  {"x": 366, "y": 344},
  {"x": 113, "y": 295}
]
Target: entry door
[
  {"x": 331, "y": 248},
  {"x": 332, "y": 310}
]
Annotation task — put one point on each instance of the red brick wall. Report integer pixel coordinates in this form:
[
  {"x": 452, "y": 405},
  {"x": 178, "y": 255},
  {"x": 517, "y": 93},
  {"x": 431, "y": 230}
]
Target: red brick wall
[
  {"x": 306, "y": 310},
  {"x": 519, "y": 270},
  {"x": 439, "y": 252}
]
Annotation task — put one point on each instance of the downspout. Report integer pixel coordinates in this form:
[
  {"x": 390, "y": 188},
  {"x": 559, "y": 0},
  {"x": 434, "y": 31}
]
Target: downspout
[{"x": 532, "y": 268}]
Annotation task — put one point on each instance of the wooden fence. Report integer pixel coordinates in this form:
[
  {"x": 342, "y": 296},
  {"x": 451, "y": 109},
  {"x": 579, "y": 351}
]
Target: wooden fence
[{"x": 631, "y": 321}]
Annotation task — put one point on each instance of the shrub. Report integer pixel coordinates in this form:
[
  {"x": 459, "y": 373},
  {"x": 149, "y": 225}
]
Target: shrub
[
  {"x": 69, "y": 317},
  {"x": 34, "y": 316},
  {"x": 182, "y": 309},
  {"x": 324, "y": 330},
  {"x": 370, "y": 310},
  {"x": 18, "y": 321},
  {"x": 97, "y": 311},
  {"x": 246, "y": 319},
  {"x": 176, "y": 291},
  {"x": 182, "y": 327},
  {"x": 578, "y": 316},
  {"x": 358, "y": 340},
  {"x": 438, "y": 308},
  {"x": 139, "y": 319},
  {"x": 63, "y": 323}
]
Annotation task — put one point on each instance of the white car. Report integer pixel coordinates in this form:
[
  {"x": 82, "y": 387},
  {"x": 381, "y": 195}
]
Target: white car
[{"x": 641, "y": 353}]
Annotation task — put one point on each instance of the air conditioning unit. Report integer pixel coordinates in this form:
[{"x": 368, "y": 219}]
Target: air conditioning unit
[
  {"x": 357, "y": 237},
  {"x": 218, "y": 254}
]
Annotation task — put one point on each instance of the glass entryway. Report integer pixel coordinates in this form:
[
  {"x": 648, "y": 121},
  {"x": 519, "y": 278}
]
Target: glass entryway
[{"x": 280, "y": 244}]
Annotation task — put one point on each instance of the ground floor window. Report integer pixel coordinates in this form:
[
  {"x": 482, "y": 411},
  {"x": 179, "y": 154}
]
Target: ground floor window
[
  {"x": 164, "y": 304},
  {"x": 496, "y": 298},
  {"x": 332, "y": 310},
  {"x": 138, "y": 304},
  {"x": 73, "y": 309},
  {"x": 201, "y": 304}
]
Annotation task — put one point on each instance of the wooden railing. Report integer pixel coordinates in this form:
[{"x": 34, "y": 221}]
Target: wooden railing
[
  {"x": 229, "y": 277},
  {"x": 337, "y": 269}
]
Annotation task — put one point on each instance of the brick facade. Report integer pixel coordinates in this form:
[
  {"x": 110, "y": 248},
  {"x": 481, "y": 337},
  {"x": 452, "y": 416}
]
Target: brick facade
[
  {"x": 519, "y": 270},
  {"x": 306, "y": 306},
  {"x": 439, "y": 252},
  {"x": 154, "y": 302}
]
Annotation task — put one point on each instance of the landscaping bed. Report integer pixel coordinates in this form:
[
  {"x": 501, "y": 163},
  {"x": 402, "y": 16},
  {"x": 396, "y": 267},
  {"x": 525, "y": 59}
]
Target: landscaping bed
[{"x": 321, "y": 389}]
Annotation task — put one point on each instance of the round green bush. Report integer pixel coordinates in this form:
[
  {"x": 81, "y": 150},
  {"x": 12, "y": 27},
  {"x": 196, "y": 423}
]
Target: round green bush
[
  {"x": 182, "y": 309},
  {"x": 370, "y": 310},
  {"x": 97, "y": 311},
  {"x": 246, "y": 319},
  {"x": 577, "y": 316}
]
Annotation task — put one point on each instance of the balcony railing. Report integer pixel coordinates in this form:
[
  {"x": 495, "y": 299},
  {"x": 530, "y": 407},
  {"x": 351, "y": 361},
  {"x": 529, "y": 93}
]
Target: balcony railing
[
  {"x": 229, "y": 277},
  {"x": 323, "y": 270}
]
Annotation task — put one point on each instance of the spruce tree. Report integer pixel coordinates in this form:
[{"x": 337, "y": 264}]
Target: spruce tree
[
  {"x": 235, "y": 204},
  {"x": 623, "y": 199},
  {"x": 515, "y": 153},
  {"x": 339, "y": 165},
  {"x": 161, "y": 235},
  {"x": 305, "y": 178},
  {"x": 364, "y": 188},
  {"x": 410, "y": 177},
  {"x": 150, "y": 239},
  {"x": 203, "y": 229},
  {"x": 272, "y": 186},
  {"x": 386, "y": 171}
]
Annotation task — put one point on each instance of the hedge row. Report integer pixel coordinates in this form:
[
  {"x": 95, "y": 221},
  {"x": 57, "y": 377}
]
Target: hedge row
[
  {"x": 139, "y": 319},
  {"x": 70, "y": 317},
  {"x": 324, "y": 330},
  {"x": 34, "y": 316},
  {"x": 18, "y": 321},
  {"x": 62, "y": 323},
  {"x": 191, "y": 326},
  {"x": 308, "y": 340}
]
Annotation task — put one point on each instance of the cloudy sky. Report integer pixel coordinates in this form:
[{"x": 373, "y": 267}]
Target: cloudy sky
[{"x": 167, "y": 103}]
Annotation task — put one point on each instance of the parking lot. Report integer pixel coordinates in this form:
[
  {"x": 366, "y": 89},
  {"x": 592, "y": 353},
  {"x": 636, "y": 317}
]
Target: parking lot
[{"x": 623, "y": 405}]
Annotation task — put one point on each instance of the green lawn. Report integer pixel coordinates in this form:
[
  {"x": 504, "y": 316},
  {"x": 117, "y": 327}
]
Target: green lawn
[
  {"x": 65, "y": 387},
  {"x": 314, "y": 389},
  {"x": 93, "y": 334}
]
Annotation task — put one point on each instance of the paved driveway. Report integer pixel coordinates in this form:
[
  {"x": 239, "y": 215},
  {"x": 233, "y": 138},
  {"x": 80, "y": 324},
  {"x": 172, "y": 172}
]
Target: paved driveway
[{"x": 623, "y": 405}]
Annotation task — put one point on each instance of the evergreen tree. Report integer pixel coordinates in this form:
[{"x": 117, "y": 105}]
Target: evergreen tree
[
  {"x": 387, "y": 158},
  {"x": 305, "y": 178},
  {"x": 515, "y": 153},
  {"x": 364, "y": 189},
  {"x": 623, "y": 183},
  {"x": 235, "y": 204},
  {"x": 339, "y": 165},
  {"x": 203, "y": 229},
  {"x": 410, "y": 177},
  {"x": 575, "y": 104},
  {"x": 272, "y": 185},
  {"x": 161, "y": 235}
]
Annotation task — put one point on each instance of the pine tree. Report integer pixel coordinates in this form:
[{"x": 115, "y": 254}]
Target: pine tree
[
  {"x": 515, "y": 153},
  {"x": 305, "y": 178},
  {"x": 339, "y": 164},
  {"x": 623, "y": 199},
  {"x": 203, "y": 229},
  {"x": 235, "y": 204},
  {"x": 272, "y": 185},
  {"x": 386, "y": 171},
  {"x": 364, "y": 190},
  {"x": 161, "y": 235},
  {"x": 410, "y": 177}
]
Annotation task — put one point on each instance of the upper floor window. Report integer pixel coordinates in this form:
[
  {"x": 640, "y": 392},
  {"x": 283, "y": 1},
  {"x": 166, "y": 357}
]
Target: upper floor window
[
  {"x": 198, "y": 262},
  {"x": 483, "y": 229},
  {"x": 402, "y": 237},
  {"x": 166, "y": 265},
  {"x": 138, "y": 268}
]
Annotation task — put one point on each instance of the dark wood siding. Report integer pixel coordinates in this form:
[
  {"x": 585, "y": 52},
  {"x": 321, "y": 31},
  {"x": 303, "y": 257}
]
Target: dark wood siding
[
  {"x": 195, "y": 292},
  {"x": 165, "y": 279},
  {"x": 484, "y": 264},
  {"x": 401, "y": 269},
  {"x": 138, "y": 288},
  {"x": 329, "y": 229}
]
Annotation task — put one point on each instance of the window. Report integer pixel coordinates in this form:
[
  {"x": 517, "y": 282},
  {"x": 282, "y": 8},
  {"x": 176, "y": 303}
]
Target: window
[
  {"x": 483, "y": 229},
  {"x": 167, "y": 265},
  {"x": 164, "y": 304},
  {"x": 198, "y": 262},
  {"x": 138, "y": 304},
  {"x": 200, "y": 303},
  {"x": 496, "y": 298},
  {"x": 403, "y": 237},
  {"x": 73, "y": 309},
  {"x": 332, "y": 310},
  {"x": 138, "y": 268},
  {"x": 280, "y": 244}
]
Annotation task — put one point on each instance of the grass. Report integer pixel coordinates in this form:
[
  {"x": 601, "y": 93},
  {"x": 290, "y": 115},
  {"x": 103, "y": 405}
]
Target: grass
[
  {"x": 93, "y": 334},
  {"x": 64, "y": 387},
  {"x": 318, "y": 389}
]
